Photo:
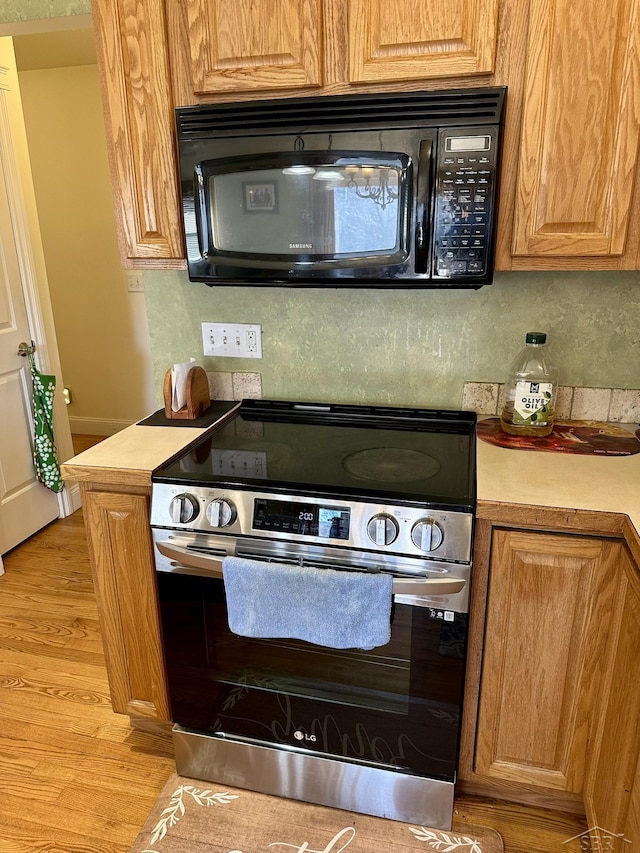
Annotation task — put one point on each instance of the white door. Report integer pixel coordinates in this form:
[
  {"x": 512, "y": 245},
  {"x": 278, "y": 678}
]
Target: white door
[{"x": 25, "y": 504}]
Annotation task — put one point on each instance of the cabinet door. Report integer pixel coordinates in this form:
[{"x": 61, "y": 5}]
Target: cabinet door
[
  {"x": 413, "y": 39},
  {"x": 550, "y": 599},
  {"x": 612, "y": 797},
  {"x": 252, "y": 45},
  {"x": 580, "y": 128},
  {"x": 134, "y": 70},
  {"x": 121, "y": 553}
]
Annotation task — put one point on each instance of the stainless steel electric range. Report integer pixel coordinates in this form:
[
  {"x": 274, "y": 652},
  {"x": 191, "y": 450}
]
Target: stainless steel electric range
[{"x": 322, "y": 486}]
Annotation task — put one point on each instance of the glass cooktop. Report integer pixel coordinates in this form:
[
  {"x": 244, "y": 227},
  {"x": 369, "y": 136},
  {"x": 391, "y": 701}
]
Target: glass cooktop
[{"x": 383, "y": 453}]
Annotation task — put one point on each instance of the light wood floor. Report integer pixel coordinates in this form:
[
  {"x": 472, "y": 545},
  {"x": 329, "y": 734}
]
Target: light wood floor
[
  {"x": 83, "y": 442},
  {"x": 74, "y": 778}
]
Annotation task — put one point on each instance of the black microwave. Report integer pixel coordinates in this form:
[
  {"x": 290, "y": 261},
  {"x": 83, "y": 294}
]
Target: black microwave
[{"x": 378, "y": 190}]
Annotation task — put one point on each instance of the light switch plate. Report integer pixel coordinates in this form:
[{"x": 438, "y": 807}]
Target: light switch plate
[{"x": 232, "y": 340}]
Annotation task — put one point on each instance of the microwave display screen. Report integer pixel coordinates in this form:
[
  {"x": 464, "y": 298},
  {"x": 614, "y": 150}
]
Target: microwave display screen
[
  {"x": 468, "y": 143},
  {"x": 322, "y": 206}
]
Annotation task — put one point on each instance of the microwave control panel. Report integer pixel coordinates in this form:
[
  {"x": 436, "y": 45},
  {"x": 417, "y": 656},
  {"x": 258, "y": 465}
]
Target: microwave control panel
[{"x": 466, "y": 172}]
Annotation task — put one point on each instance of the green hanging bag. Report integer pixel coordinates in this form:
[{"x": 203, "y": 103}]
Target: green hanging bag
[{"x": 45, "y": 457}]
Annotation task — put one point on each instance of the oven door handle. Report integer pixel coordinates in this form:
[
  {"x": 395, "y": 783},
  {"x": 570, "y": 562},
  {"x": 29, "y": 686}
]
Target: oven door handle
[
  {"x": 428, "y": 586},
  {"x": 191, "y": 559},
  {"x": 212, "y": 563}
]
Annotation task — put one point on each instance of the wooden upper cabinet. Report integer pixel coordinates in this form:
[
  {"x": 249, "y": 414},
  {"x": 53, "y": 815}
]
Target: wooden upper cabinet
[
  {"x": 254, "y": 45},
  {"x": 133, "y": 61},
  {"x": 416, "y": 39},
  {"x": 570, "y": 187},
  {"x": 580, "y": 128}
]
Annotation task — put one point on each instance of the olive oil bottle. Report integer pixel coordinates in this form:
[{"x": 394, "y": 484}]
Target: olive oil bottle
[{"x": 530, "y": 391}]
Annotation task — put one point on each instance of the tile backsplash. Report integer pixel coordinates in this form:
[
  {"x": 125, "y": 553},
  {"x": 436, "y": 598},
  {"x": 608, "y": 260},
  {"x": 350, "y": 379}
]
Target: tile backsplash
[
  {"x": 484, "y": 398},
  {"x": 225, "y": 385},
  {"x": 599, "y": 404}
]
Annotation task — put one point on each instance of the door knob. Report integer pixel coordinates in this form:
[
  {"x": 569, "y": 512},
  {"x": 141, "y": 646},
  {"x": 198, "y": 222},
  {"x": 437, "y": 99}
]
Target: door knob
[{"x": 25, "y": 349}]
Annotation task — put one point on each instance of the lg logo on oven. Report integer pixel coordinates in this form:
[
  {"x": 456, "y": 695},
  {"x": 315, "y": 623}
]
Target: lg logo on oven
[{"x": 300, "y": 735}]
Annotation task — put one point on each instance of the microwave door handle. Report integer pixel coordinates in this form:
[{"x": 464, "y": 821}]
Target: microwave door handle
[{"x": 422, "y": 206}]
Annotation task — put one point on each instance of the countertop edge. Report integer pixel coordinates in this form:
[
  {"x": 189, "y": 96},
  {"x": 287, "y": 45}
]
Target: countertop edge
[
  {"x": 576, "y": 519},
  {"x": 102, "y": 474},
  {"x": 562, "y": 519}
]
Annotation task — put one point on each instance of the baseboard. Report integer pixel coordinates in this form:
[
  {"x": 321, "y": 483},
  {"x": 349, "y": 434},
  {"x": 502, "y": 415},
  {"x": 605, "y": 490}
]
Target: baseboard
[
  {"x": 69, "y": 499},
  {"x": 97, "y": 426}
]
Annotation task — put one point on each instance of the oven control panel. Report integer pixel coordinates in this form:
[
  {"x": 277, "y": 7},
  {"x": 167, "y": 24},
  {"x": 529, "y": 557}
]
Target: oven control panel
[
  {"x": 403, "y": 530},
  {"x": 318, "y": 520}
]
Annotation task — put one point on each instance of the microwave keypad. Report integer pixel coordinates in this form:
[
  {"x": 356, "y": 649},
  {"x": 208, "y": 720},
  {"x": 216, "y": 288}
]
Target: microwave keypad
[{"x": 463, "y": 203}]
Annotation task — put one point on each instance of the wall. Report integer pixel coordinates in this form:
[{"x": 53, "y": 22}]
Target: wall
[
  {"x": 408, "y": 347},
  {"x": 102, "y": 331},
  {"x": 31, "y": 10}
]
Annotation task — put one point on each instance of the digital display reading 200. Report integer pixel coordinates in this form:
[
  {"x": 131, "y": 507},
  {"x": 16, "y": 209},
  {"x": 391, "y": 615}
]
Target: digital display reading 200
[{"x": 328, "y": 522}]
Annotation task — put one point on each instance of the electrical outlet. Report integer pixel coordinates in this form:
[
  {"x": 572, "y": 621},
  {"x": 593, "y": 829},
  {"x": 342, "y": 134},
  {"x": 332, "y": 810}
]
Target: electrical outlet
[
  {"x": 134, "y": 282},
  {"x": 232, "y": 340}
]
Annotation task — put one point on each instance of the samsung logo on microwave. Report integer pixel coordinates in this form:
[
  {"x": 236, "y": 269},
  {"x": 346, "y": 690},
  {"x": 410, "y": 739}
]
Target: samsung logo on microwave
[{"x": 301, "y": 245}]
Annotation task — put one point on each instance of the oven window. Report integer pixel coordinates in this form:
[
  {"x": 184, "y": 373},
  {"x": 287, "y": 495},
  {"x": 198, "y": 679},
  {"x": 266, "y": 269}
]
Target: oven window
[{"x": 397, "y": 705}]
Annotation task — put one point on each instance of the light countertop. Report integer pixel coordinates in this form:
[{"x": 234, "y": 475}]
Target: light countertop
[
  {"x": 570, "y": 481},
  {"x": 138, "y": 449},
  {"x": 130, "y": 456}
]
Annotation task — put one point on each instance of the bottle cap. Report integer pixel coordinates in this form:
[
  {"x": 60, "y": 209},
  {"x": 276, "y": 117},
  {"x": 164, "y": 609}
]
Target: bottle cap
[{"x": 536, "y": 338}]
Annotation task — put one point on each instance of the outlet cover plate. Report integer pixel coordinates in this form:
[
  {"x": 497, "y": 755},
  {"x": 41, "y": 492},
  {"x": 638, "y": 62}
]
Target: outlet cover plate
[
  {"x": 134, "y": 280},
  {"x": 232, "y": 340}
]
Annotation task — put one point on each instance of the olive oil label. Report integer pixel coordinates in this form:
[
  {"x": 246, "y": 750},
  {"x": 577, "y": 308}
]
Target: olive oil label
[{"x": 532, "y": 402}]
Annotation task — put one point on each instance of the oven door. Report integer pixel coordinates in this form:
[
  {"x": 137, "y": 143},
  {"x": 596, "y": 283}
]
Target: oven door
[{"x": 395, "y": 706}]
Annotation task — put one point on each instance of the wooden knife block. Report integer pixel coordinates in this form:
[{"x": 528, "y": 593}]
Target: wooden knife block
[{"x": 197, "y": 394}]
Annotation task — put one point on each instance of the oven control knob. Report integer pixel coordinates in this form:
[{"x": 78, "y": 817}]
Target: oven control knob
[
  {"x": 382, "y": 529},
  {"x": 221, "y": 513},
  {"x": 427, "y": 534},
  {"x": 183, "y": 508}
]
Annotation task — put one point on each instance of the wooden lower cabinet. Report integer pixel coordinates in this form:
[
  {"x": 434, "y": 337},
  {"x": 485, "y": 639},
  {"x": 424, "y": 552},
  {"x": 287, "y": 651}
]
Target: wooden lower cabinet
[
  {"x": 121, "y": 552},
  {"x": 612, "y": 795},
  {"x": 551, "y": 603}
]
